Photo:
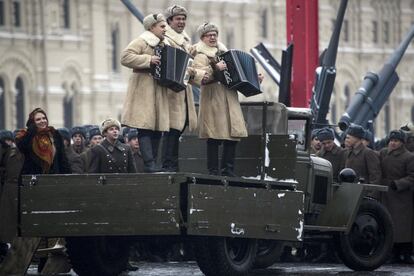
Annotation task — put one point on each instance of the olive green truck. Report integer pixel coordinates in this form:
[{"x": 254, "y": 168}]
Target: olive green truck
[{"x": 285, "y": 196}]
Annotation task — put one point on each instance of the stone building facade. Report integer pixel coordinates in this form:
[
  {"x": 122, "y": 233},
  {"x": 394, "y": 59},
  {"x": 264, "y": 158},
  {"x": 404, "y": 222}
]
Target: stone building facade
[{"x": 63, "y": 55}]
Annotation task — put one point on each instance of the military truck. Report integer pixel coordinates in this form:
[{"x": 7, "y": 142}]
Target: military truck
[{"x": 284, "y": 195}]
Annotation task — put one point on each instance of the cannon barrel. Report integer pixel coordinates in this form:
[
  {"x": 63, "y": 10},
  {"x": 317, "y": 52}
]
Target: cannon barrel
[
  {"x": 133, "y": 10},
  {"x": 375, "y": 89},
  {"x": 326, "y": 73}
]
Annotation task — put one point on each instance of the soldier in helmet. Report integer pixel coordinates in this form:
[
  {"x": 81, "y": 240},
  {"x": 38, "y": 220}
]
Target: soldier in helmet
[
  {"x": 330, "y": 151},
  {"x": 111, "y": 156},
  {"x": 397, "y": 165},
  {"x": 363, "y": 160}
]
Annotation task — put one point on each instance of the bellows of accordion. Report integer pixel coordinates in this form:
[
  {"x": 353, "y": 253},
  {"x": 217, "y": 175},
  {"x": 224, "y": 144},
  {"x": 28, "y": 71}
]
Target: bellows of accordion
[
  {"x": 172, "y": 71},
  {"x": 241, "y": 73}
]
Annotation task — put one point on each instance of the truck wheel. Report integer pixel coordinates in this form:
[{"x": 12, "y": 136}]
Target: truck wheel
[
  {"x": 232, "y": 256},
  {"x": 268, "y": 253},
  {"x": 93, "y": 256},
  {"x": 369, "y": 242}
]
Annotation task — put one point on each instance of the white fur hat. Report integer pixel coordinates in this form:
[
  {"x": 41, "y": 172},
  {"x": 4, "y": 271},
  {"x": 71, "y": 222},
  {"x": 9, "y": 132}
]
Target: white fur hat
[
  {"x": 205, "y": 28},
  {"x": 175, "y": 10},
  {"x": 152, "y": 19},
  {"x": 109, "y": 123}
]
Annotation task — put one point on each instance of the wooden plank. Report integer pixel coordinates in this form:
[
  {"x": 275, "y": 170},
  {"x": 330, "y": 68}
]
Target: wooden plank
[{"x": 245, "y": 212}]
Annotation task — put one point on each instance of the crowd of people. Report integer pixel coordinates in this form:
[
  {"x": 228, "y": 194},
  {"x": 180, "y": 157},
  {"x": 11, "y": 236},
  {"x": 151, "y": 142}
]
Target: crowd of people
[{"x": 388, "y": 162}]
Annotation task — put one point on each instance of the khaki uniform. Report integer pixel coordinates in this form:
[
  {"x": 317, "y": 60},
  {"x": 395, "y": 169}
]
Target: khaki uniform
[
  {"x": 337, "y": 158},
  {"x": 181, "y": 104},
  {"x": 365, "y": 162},
  {"x": 398, "y": 166},
  {"x": 146, "y": 103},
  {"x": 220, "y": 114},
  {"x": 108, "y": 158}
]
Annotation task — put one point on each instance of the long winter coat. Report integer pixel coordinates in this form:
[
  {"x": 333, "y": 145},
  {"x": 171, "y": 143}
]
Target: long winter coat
[
  {"x": 12, "y": 161},
  {"x": 181, "y": 104},
  {"x": 146, "y": 103},
  {"x": 398, "y": 166},
  {"x": 108, "y": 158},
  {"x": 32, "y": 164},
  {"x": 365, "y": 162},
  {"x": 337, "y": 158},
  {"x": 220, "y": 115}
]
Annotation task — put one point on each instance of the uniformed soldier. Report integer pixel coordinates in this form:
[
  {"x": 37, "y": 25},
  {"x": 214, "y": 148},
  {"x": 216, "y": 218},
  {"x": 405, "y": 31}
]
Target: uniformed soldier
[
  {"x": 315, "y": 143},
  {"x": 73, "y": 157},
  {"x": 330, "y": 151},
  {"x": 78, "y": 137},
  {"x": 364, "y": 161},
  {"x": 95, "y": 138},
  {"x": 397, "y": 165},
  {"x": 368, "y": 139},
  {"x": 111, "y": 156},
  {"x": 134, "y": 144},
  {"x": 181, "y": 105}
]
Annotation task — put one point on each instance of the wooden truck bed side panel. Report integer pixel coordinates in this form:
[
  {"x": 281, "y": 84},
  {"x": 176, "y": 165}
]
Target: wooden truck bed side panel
[
  {"x": 120, "y": 204},
  {"x": 245, "y": 212}
]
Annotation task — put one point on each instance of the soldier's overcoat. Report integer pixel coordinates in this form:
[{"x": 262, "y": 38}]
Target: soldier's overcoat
[{"x": 398, "y": 166}]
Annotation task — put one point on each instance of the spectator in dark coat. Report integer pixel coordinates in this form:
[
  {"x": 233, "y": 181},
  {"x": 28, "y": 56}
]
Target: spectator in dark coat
[
  {"x": 134, "y": 144},
  {"x": 397, "y": 165},
  {"x": 73, "y": 157}
]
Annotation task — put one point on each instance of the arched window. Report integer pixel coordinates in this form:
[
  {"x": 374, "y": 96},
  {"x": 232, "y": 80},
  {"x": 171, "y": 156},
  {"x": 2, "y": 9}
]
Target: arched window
[
  {"x": 115, "y": 48},
  {"x": 16, "y": 13},
  {"x": 19, "y": 103},
  {"x": 2, "y": 105},
  {"x": 66, "y": 14},
  {"x": 2, "y": 21},
  {"x": 68, "y": 111},
  {"x": 347, "y": 93}
]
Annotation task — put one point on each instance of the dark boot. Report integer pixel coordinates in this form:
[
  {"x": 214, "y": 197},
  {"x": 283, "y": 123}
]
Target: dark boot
[
  {"x": 170, "y": 150},
  {"x": 145, "y": 145},
  {"x": 212, "y": 156},
  {"x": 227, "y": 160}
]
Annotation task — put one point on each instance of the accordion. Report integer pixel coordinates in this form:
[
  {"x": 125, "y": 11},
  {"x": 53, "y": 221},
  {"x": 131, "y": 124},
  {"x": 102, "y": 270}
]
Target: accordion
[
  {"x": 241, "y": 73},
  {"x": 172, "y": 71}
]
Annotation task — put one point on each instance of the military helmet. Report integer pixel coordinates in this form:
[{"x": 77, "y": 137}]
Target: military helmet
[{"x": 348, "y": 175}]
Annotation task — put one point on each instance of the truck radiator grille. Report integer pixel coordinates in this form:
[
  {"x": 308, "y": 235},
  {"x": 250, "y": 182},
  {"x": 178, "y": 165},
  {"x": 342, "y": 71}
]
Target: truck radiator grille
[{"x": 320, "y": 189}]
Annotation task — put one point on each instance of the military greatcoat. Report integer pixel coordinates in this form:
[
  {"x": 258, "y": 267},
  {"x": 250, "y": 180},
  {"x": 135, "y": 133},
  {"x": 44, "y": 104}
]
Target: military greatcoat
[
  {"x": 365, "y": 162},
  {"x": 146, "y": 102},
  {"x": 181, "y": 104},
  {"x": 111, "y": 158},
  {"x": 398, "y": 166},
  {"x": 220, "y": 115},
  {"x": 337, "y": 158}
]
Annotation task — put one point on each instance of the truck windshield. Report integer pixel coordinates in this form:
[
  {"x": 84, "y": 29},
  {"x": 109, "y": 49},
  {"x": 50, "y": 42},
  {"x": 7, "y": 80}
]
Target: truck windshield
[{"x": 297, "y": 127}]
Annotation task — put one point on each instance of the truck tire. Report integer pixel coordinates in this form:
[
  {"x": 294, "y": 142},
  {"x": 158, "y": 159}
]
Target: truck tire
[
  {"x": 369, "y": 243},
  {"x": 93, "y": 256},
  {"x": 232, "y": 256},
  {"x": 268, "y": 253}
]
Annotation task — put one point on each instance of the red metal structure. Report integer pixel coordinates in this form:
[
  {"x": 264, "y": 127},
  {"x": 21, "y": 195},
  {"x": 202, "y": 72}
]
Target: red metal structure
[{"x": 302, "y": 31}]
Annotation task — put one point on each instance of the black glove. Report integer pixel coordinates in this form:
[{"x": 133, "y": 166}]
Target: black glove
[{"x": 31, "y": 128}]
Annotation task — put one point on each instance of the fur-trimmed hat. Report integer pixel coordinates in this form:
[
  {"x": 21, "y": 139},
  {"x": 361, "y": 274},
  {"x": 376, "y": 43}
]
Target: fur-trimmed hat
[
  {"x": 408, "y": 129},
  {"x": 174, "y": 10},
  {"x": 325, "y": 133},
  {"x": 152, "y": 19},
  {"x": 314, "y": 133},
  {"x": 78, "y": 130},
  {"x": 133, "y": 133},
  {"x": 94, "y": 131},
  {"x": 6, "y": 135},
  {"x": 397, "y": 134},
  {"x": 109, "y": 123},
  {"x": 64, "y": 132},
  {"x": 356, "y": 131},
  {"x": 368, "y": 135},
  {"x": 205, "y": 28}
]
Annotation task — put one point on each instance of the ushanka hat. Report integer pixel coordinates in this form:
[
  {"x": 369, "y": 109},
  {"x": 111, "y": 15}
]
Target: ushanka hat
[
  {"x": 356, "y": 131},
  {"x": 152, "y": 19},
  {"x": 175, "y": 10},
  {"x": 205, "y": 28},
  {"x": 109, "y": 123},
  {"x": 397, "y": 134},
  {"x": 78, "y": 130},
  {"x": 94, "y": 131},
  {"x": 325, "y": 134}
]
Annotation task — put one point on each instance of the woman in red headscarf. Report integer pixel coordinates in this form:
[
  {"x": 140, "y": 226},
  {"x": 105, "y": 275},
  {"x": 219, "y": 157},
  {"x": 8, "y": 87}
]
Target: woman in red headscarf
[{"x": 42, "y": 146}]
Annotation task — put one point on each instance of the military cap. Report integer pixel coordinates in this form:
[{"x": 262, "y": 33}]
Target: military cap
[
  {"x": 78, "y": 130},
  {"x": 152, "y": 19},
  {"x": 408, "y": 128},
  {"x": 356, "y": 131},
  {"x": 205, "y": 28},
  {"x": 64, "y": 132},
  {"x": 175, "y": 10},
  {"x": 314, "y": 133},
  {"x": 6, "y": 135},
  {"x": 109, "y": 123},
  {"x": 94, "y": 131},
  {"x": 325, "y": 133},
  {"x": 133, "y": 133},
  {"x": 368, "y": 135},
  {"x": 397, "y": 134}
]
